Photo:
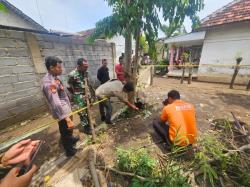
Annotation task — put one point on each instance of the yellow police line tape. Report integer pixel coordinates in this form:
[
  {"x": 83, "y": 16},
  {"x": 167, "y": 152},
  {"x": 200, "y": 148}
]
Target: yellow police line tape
[
  {"x": 7, "y": 144},
  {"x": 193, "y": 65}
]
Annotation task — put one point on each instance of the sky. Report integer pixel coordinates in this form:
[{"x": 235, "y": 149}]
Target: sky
[{"x": 78, "y": 15}]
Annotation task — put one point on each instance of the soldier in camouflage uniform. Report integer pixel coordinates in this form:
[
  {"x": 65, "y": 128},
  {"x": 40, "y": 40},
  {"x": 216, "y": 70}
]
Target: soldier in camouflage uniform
[{"x": 76, "y": 81}]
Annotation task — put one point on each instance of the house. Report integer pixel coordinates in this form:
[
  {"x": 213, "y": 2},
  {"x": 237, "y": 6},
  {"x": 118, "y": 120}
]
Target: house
[
  {"x": 223, "y": 36},
  {"x": 15, "y": 18}
]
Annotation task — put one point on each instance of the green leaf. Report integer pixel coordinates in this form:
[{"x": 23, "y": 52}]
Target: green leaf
[{"x": 3, "y": 8}]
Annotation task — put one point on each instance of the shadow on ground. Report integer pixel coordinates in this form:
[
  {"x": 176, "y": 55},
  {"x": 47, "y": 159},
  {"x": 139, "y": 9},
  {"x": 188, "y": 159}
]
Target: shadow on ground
[{"x": 235, "y": 99}]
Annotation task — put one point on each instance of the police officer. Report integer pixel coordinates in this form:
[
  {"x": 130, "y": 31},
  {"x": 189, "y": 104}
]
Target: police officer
[
  {"x": 59, "y": 103},
  {"x": 76, "y": 82}
]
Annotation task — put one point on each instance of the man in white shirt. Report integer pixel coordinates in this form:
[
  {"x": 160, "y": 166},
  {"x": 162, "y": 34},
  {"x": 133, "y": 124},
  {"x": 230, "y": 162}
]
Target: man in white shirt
[{"x": 113, "y": 88}]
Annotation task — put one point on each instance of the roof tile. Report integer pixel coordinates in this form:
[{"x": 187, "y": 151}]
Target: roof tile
[{"x": 236, "y": 11}]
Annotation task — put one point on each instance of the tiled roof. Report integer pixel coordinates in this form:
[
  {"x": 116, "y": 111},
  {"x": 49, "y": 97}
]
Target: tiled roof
[
  {"x": 236, "y": 11},
  {"x": 86, "y": 33}
]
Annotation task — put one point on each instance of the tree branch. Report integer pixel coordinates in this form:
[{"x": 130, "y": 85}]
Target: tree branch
[{"x": 122, "y": 173}]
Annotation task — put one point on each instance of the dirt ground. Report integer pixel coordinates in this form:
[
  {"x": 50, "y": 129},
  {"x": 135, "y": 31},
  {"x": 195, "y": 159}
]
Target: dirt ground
[{"x": 212, "y": 101}]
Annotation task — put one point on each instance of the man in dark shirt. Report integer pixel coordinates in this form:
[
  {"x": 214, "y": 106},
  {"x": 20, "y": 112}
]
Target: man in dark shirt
[{"x": 103, "y": 72}]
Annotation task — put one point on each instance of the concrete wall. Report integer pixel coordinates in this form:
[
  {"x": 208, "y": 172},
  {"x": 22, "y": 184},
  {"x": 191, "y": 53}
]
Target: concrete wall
[
  {"x": 22, "y": 66},
  {"x": 221, "y": 47},
  {"x": 69, "y": 50},
  {"x": 11, "y": 19}
]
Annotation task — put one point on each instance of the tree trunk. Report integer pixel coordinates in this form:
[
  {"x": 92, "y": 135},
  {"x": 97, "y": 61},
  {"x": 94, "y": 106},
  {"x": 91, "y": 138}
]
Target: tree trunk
[
  {"x": 128, "y": 48},
  {"x": 236, "y": 71},
  {"x": 136, "y": 59},
  {"x": 128, "y": 52},
  {"x": 135, "y": 64}
]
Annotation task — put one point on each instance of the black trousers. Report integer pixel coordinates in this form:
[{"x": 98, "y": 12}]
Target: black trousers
[
  {"x": 162, "y": 129},
  {"x": 66, "y": 136},
  {"x": 106, "y": 110}
]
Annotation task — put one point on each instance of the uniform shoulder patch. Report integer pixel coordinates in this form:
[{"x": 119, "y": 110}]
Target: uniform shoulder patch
[{"x": 53, "y": 88}]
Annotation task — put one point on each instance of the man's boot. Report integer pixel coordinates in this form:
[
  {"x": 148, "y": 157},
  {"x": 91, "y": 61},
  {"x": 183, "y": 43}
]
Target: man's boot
[
  {"x": 75, "y": 139},
  {"x": 86, "y": 129},
  {"x": 103, "y": 118},
  {"x": 68, "y": 146},
  {"x": 71, "y": 152}
]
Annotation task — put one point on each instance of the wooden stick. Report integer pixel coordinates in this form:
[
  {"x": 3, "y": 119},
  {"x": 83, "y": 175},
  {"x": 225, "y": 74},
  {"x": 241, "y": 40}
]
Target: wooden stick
[
  {"x": 102, "y": 179},
  {"x": 92, "y": 168},
  {"x": 91, "y": 120},
  {"x": 239, "y": 127},
  {"x": 236, "y": 71},
  {"x": 248, "y": 86},
  {"x": 183, "y": 74},
  {"x": 240, "y": 149},
  {"x": 151, "y": 75},
  {"x": 123, "y": 173},
  {"x": 190, "y": 74},
  {"x": 237, "y": 123}
]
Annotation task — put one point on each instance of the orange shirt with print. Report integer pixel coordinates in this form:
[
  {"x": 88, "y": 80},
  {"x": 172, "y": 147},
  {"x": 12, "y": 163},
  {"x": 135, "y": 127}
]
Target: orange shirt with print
[{"x": 180, "y": 116}]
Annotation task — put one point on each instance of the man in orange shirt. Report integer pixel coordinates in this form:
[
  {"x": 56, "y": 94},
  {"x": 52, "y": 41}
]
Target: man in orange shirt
[{"x": 178, "y": 124}]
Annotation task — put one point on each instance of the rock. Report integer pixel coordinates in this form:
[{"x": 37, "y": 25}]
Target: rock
[{"x": 25, "y": 122}]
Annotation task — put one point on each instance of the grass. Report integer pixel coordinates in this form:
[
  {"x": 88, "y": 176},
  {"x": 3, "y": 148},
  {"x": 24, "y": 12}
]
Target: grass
[{"x": 141, "y": 163}]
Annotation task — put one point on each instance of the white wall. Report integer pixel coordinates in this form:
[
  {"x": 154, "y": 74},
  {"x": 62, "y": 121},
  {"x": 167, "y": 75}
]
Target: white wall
[
  {"x": 12, "y": 19},
  {"x": 222, "y": 45},
  {"x": 120, "y": 45}
]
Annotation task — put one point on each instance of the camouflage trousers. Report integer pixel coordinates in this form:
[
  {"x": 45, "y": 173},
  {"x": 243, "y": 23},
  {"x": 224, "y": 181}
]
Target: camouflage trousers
[{"x": 81, "y": 103}]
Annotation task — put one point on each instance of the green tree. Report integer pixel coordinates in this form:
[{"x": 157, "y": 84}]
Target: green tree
[
  {"x": 133, "y": 17},
  {"x": 171, "y": 31},
  {"x": 196, "y": 22},
  {"x": 143, "y": 44}
]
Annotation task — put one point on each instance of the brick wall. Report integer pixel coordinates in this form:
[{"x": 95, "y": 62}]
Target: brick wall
[{"x": 22, "y": 66}]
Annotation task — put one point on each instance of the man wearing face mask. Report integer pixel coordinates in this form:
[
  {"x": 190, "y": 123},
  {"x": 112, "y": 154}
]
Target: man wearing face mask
[
  {"x": 59, "y": 103},
  {"x": 177, "y": 124},
  {"x": 76, "y": 82}
]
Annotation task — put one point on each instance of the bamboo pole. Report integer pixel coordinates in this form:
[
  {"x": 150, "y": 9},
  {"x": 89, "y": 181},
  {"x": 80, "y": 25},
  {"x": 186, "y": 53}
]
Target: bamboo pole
[{"x": 91, "y": 120}]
